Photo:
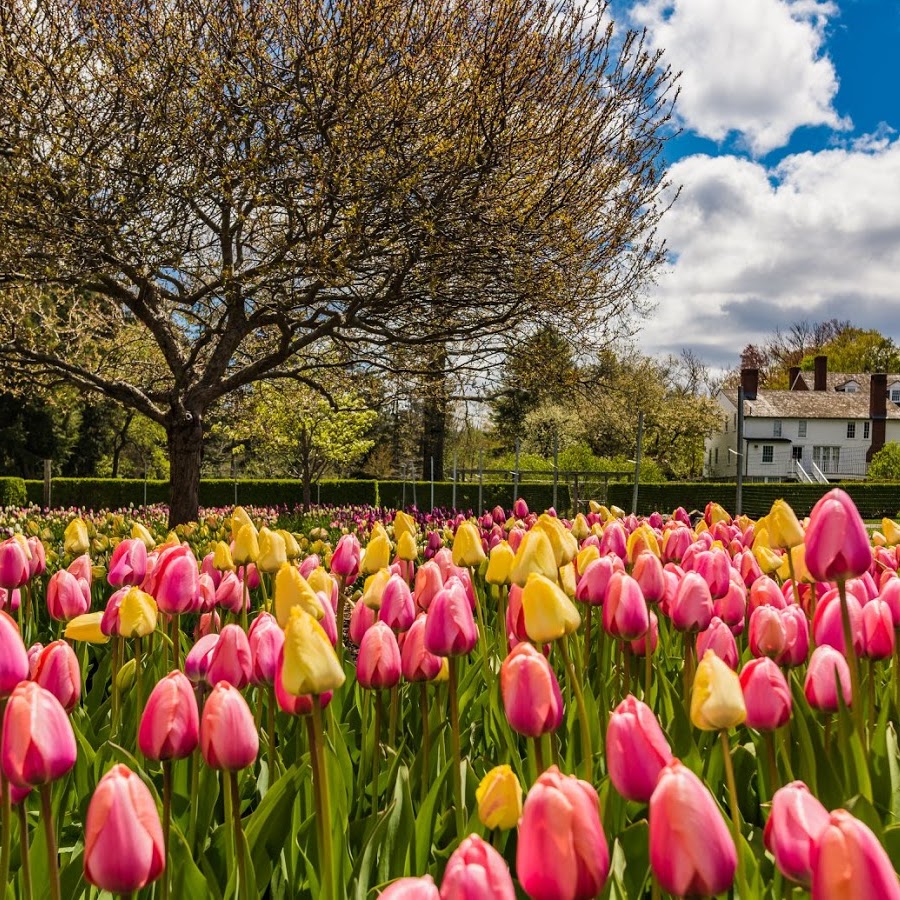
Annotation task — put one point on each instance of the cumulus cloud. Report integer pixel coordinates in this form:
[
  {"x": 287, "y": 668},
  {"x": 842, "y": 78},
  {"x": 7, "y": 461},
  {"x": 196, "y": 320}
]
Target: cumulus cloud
[
  {"x": 754, "y": 247},
  {"x": 751, "y": 67}
]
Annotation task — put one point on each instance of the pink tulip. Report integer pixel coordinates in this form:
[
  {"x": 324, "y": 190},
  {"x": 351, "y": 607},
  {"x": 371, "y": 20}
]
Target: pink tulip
[
  {"x": 594, "y": 581},
  {"x": 378, "y": 663},
  {"x": 14, "y": 568},
  {"x": 531, "y": 696},
  {"x": 345, "y": 559},
  {"x": 691, "y": 849},
  {"x": 748, "y": 568},
  {"x": 848, "y": 861},
  {"x": 450, "y": 628},
  {"x": 310, "y": 564},
  {"x": 890, "y": 594},
  {"x": 614, "y": 540},
  {"x": 266, "y": 640},
  {"x": 416, "y": 663},
  {"x": 718, "y": 638},
  {"x": 14, "y": 666},
  {"x": 422, "y": 888},
  {"x": 329, "y": 619},
  {"x": 768, "y": 635},
  {"x": 428, "y": 582},
  {"x": 362, "y": 618},
  {"x": 109, "y": 624},
  {"x": 57, "y": 670},
  {"x": 196, "y": 663},
  {"x": 515, "y": 616},
  {"x": 231, "y": 659},
  {"x": 82, "y": 569},
  {"x": 766, "y": 695},
  {"x": 625, "y": 613},
  {"x": 295, "y": 704},
  {"x": 208, "y": 567},
  {"x": 692, "y": 608},
  {"x": 562, "y": 852},
  {"x": 639, "y": 645},
  {"x": 796, "y": 629},
  {"x": 37, "y": 565},
  {"x": 837, "y": 543},
  {"x": 820, "y": 686},
  {"x": 520, "y": 508},
  {"x": 795, "y": 823},
  {"x": 636, "y": 750},
  {"x": 206, "y": 591},
  {"x": 228, "y": 736},
  {"x": 675, "y": 544},
  {"x": 38, "y": 742},
  {"x": 230, "y": 594},
  {"x": 877, "y": 630},
  {"x": 176, "y": 586},
  {"x": 765, "y": 592},
  {"x": 648, "y": 572},
  {"x": 476, "y": 870},
  {"x": 732, "y": 607},
  {"x": 714, "y": 567},
  {"x": 828, "y": 627},
  {"x": 128, "y": 563},
  {"x": 34, "y": 654},
  {"x": 123, "y": 845},
  {"x": 209, "y": 623},
  {"x": 67, "y": 596},
  {"x": 397, "y": 608},
  {"x": 170, "y": 724}
]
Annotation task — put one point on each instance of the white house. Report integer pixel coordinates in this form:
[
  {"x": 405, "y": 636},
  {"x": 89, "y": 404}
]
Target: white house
[{"x": 824, "y": 428}]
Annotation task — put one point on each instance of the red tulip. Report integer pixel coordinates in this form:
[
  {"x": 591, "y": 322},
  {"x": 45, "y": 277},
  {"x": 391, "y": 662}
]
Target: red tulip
[
  {"x": 123, "y": 844},
  {"x": 795, "y": 822},
  {"x": 416, "y": 663},
  {"x": 531, "y": 696},
  {"x": 57, "y": 670},
  {"x": 230, "y": 659},
  {"x": 476, "y": 870},
  {"x": 820, "y": 685},
  {"x": 636, "y": 750},
  {"x": 691, "y": 850},
  {"x": 128, "y": 563},
  {"x": 837, "y": 543},
  {"x": 170, "y": 723},
  {"x": 766, "y": 695},
  {"x": 38, "y": 742},
  {"x": 14, "y": 665},
  {"x": 228, "y": 736},
  {"x": 562, "y": 852}
]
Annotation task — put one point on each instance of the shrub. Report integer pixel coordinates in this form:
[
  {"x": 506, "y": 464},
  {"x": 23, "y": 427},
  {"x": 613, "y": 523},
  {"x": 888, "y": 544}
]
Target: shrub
[{"x": 12, "y": 492}]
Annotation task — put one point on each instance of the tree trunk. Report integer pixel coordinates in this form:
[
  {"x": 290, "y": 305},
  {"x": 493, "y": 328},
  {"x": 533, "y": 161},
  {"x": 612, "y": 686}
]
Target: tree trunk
[
  {"x": 185, "y": 437},
  {"x": 434, "y": 416},
  {"x": 307, "y": 489}
]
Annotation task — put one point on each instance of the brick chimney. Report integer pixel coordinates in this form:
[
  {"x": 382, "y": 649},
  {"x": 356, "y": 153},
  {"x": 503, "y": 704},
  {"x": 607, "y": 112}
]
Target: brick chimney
[
  {"x": 795, "y": 380},
  {"x": 750, "y": 383},
  {"x": 820, "y": 382},
  {"x": 877, "y": 412}
]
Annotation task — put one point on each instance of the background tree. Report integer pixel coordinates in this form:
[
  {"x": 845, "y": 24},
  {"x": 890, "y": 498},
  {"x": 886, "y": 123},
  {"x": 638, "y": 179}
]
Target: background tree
[
  {"x": 197, "y": 195},
  {"x": 885, "y": 465}
]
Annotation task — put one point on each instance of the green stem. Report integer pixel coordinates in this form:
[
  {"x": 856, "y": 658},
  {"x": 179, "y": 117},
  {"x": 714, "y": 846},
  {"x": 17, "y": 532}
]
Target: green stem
[
  {"x": 648, "y": 669},
  {"x": 23, "y": 844},
  {"x": 735, "y": 814},
  {"x": 376, "y": 750},
  {"x": 392, "y": 718},
  {"x": 324, "y": 811},
  {"x": 50, "y": 833},
  {"x": 245, "y": 597},
  {"x": 482, "y": 632},
  {"x": 690, "y": 640},
  {"x": 195, "y": 792},
  {"x": 139, "y": 686},
  {"x": 176, "y": 640},
  {"x": 871, "y": 695},
  {"x": 795, "y": 587},
  {"x": 166, "y": 823},
  {"x": 243, "y": 885},
  {"x": 856, "y": 703},
  {"x": 342, "y": 600},
  {"x": 457, "y": 761},
  {"x": 588, "y": 616},
  {"x": 228, "y": 801},
  {"x": 586, "y": 750},
  {"x": 426, "y": 739},
  {"x": 539, "y": 756},
  {"x": 265, "y": 592},
  {"x": 270, "y": 728},
  {"x": 503, "y": 594},
  {"x": 114, "y": 701},
  {"x": 774, "y": 780},
  {"x": 5, "y": 813},
  {"x": 827, "y": 733}
]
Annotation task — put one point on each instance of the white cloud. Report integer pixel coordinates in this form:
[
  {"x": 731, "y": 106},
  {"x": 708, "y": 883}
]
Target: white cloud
[
  {"x": 755, "y": 67},
  {"x": 754, "y": 248}
]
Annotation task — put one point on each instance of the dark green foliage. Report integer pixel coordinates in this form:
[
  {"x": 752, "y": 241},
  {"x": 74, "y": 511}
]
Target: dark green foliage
[{"x": 12, "y": 492}]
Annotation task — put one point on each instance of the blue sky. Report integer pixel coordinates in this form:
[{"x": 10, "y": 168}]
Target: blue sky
[{"x": 789, "y": 166}]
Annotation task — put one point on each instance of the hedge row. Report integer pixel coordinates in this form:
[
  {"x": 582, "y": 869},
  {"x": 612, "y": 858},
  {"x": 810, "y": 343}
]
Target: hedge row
[
  {"x": 12, "y": 492},
  {"x": 874, "y": 499},
  {"x": 111, "y": 493}
]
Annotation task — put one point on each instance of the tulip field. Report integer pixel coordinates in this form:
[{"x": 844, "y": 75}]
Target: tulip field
[{"x": 510, "y": 704}]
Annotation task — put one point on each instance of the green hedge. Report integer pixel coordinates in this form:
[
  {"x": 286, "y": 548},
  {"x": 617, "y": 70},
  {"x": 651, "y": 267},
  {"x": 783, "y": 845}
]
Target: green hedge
[
  {"x": 111, "y": 493},
  {"x": 873, "y": 499},
  {"x": 12, "y": 492}
]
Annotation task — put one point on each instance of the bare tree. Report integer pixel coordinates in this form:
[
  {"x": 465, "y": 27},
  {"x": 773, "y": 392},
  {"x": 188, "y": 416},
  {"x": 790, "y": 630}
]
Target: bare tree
[{"x": 198, "y": 194}]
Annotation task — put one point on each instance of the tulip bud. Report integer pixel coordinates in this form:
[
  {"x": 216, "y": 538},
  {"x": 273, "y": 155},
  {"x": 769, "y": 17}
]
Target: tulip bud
[
  {"x": 828, "y": 622},
  {"x": 378, "y": 552},
  {"x": 14, "y": 666},
  {"x": 346, "y": 557},
  {"x": 230, "y": 594},
  {"x": 717, "y": 702},
  {"x": 877, "y": 630},
  {"x": 766, "y": 695},
  {"x": 531, "y": 696},
  {"x": 692, "y": 607},
  {"x": 796, "y": 628},
  {"x": 378, "y": 663},
  {"x": 123, "y": 845},
  {"x": 561, "y": 812},
  {"x": 422, "y": 888},
  {"x": 14, "y": 564},
  {"x": 67, "y": 596},
  {"x": 534, "y": 555},
  {"x": 562, "y": 541},
  {"x": 467, "y": 546},
  {"x": 549, "y": 613},
  {"x": 475, "y": 870},
  {"x": 768, "y": 634},
  {"x": 266, "y": 642},
  {"x": 222, "y": 559},
  {"x": 625, "y": 613},
  {"x": 500, "y": 566},
  {"x": 719, "y": 639},
  {"x": 175, "y": 584},
  {"x": 499, "y": 798},
  {"x": 230, "y": 659},
  {"x": 128, "y": 563},
  {"x": 170, "y": 722},
  {"x": 196, "y": 663},
  {"x": 450, "y": 628},
  {"x": 228, "y": 736},
  {"x": 246, "y": 545},
  {"x": 692, "y": 853},
  {"x": 310, "y": 664},
  {"x": 57, "y": 670},
  {"x": 837, "y": 543},
  {"x": 784, "y": 529},
  {"x": 826, "y": 667},
  {"x": 75, "y": 538},
  {"x": 293, "y": 590},
  {"x": 272, "y": 551},
  {"x": 636, "y": 750},
  {"x": 137, "y": 614},
  {"x": 407, "y": 549},
  {"x": 397, "y": 608},
  {"x": 362, "y": 618},
  {"x": 795, "y": 822},
  {"x": 140, "y": 532}
]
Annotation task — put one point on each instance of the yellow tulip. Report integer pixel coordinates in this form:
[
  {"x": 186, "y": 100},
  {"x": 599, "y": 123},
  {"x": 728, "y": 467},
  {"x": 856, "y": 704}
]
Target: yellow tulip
[
  {"x": 467, "y": 547},
  {"x": 406, "y": 547},
  {"x": 22, "y": 541},
  {"x": 86, "y": 628},
  {"x": 563, "y": 542},
  {"x": 377, "y": 554},
  {"x": 617, "y": 512},
  {"x": 891, "y": 531},
  {"x": 75, "y": 538},
  {"x": 239, "y": 518},
  {"x": 137, "y": 614},
  {"x": 373, "y": 588},
  {"x": 586, "y": 555},
  {"x": 769, "y": 561},
  {"x": 717, "y": 701},
  {"x": 293, "y": 590},
  {"x": 246, "y": 545},
  {"x": 549, "y": 613},
  {"x": 798, "y": 555},
  {"x": 444, "y": 673},
  {"x": 222, "y": 558},
  {"x": 292, "y": 548},
  {"x": 700, "y": 527},
  {"x": 310, "y": 664},
  {"x": 580, "y": 527},
  {"x": 499, "y": 798},
  {"x": 140, "y": 532},
  {"x": 642, "y": 540},
  {"x": 535, "y": 554},
  {"x": 500, "y": 564},
  {"x": 320, "y": 580},
  {"x": 567, "y": 579},
  {"x": 272, "y": 551},
  {"x": 404, "y": 524},
  {"x": 717, "y": 513},
  {"x": 784, "y": 529},
  {"x": 126, "y": 675}
]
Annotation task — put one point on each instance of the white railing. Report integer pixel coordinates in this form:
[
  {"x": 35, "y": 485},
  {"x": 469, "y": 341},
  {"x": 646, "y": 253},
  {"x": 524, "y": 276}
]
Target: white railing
[
  {"x": 802, "y": 474},
  {"x": 820, "y": 476}
]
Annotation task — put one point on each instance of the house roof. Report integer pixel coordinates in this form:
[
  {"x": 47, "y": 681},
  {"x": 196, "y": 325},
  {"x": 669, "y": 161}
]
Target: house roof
[{"x": 828, "y": 404}]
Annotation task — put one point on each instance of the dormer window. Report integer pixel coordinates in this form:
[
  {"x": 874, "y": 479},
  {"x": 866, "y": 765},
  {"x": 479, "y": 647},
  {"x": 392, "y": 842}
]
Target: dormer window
[
  {"x": 776, "y": 428},
  {"x": 895, "y": 393}
]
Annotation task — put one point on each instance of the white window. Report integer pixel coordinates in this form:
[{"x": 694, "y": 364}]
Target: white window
[
  {"x": 801, "y": 428},
  {"x": 797, "y": 452},
  {"x": 776, "y": 428},
  {"x": 768, "y": 453},
  {"x": 851, "y": 429},
  {"x": 895, "y": 395},
  {"x": 828, "y": 459},
  {"x": 866, "y": 430}
]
